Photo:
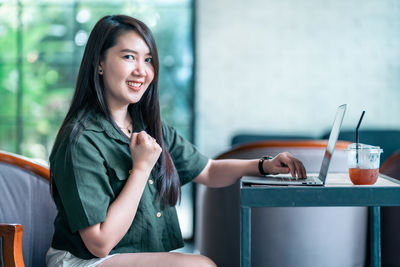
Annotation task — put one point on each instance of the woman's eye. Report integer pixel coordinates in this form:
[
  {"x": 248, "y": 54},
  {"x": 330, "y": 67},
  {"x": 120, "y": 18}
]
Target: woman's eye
[
  {"x": 130, "y": 57},
  {"x": 148, "y": 60}
]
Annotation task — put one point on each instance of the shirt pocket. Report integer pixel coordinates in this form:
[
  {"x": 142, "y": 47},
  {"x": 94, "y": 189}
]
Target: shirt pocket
[{"x": 118, "y": 178}]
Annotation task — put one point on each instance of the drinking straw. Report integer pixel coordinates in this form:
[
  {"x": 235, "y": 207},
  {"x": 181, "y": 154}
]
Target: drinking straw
[{"x": 358, "y": 126}]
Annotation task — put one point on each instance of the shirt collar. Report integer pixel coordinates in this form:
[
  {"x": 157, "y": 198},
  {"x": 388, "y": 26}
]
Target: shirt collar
[{"x": 97, "y": 122}]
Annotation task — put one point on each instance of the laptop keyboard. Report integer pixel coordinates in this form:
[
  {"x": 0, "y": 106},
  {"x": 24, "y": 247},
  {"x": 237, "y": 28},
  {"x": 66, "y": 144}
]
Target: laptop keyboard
[{"x": 312, "y": 178}]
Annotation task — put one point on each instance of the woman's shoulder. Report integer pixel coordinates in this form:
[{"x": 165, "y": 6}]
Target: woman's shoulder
[
  {"x": 165, "y": 126},
  {"x": 172, "y": 137},
  {"x": 73, "y": 133},
  {"x": 79, "y": 127},
  {"x": 168, "y": 131}
]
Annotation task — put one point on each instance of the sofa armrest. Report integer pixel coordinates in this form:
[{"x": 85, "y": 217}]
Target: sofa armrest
[{"x": 11, "y": 235}]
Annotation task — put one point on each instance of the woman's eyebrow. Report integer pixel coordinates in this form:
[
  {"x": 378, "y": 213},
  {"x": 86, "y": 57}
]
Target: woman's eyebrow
[{"x": 127, "y": 50}]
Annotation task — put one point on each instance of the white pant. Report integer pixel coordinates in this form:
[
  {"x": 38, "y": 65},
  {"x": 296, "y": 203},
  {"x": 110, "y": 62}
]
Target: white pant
[{"x": 62, "y": 258}]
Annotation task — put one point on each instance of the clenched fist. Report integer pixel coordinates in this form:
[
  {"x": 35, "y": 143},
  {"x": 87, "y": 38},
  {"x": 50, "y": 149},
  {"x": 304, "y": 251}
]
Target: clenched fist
[{"x": 145, "y": 151}]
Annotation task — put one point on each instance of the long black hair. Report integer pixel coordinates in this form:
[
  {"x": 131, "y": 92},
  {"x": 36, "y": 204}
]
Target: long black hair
[{"x": 89, "y": 95}]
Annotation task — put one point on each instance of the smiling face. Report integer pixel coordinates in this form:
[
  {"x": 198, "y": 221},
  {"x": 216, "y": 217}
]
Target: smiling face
[{"x": 127, "y": 70}]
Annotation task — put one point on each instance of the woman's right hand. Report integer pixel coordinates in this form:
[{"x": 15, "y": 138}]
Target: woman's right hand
[{"x": 145, "y": 151}]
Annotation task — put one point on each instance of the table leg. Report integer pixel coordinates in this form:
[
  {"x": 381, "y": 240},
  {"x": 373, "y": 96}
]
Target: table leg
[
  {"x": 245, "y": 238},
  {"x": 375, "y": 233}
]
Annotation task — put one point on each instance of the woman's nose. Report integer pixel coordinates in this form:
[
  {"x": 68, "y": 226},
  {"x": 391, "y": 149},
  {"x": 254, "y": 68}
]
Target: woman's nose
[{"x": 139, "y": 69}]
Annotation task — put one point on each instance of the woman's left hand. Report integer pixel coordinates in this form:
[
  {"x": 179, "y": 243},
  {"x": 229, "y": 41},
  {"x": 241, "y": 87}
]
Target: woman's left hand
[{"x": 285, "y": 163}]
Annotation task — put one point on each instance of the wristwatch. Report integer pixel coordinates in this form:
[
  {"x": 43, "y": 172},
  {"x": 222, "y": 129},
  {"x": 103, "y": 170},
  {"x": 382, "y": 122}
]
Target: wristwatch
[{"x": 260, "y": 164}]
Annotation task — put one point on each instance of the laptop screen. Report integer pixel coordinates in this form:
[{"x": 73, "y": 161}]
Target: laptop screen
[{"x": 333, "y": 137}]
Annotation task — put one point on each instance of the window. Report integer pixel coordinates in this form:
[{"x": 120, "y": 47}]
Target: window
[{"x": 41, "y": 45}]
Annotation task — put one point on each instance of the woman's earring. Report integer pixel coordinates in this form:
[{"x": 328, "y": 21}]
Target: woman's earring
[{"x": 101, "y": 72}]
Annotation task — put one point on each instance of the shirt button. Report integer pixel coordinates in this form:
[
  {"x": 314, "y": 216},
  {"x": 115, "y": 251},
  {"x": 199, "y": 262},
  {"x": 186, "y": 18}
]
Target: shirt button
[
  {"x": 158, "y": 214},
  {"x": 150, "y": 181}
]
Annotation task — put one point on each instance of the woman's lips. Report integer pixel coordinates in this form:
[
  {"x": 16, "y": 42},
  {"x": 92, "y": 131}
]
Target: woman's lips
[{"x": 136, "y": 86}]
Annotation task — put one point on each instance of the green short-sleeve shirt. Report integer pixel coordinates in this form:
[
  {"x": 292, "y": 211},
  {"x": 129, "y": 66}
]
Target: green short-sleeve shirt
[{"x": 90, "y": 175}]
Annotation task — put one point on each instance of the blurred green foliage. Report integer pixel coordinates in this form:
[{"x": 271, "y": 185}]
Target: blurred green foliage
[{"x": 52, "y": 35}]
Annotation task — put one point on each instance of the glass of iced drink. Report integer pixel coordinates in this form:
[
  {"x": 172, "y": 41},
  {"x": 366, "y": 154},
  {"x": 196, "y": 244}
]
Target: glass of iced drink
[{"x": 363, "y": 163}]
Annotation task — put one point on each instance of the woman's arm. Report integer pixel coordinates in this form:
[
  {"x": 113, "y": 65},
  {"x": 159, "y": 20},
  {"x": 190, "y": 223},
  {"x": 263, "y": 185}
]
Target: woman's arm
[
  {"x": 102, "y": 237},
  {"x": 220, "y": 173}
]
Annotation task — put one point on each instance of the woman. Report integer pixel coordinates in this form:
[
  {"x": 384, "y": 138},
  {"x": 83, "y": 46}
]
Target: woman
[{"x": 117, "y": 169}]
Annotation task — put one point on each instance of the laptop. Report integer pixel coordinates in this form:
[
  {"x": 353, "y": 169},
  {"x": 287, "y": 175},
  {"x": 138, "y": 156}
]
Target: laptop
[{"x": 312, "y": 179}]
